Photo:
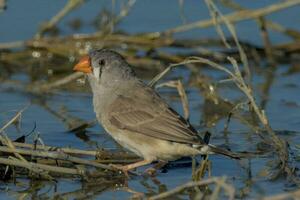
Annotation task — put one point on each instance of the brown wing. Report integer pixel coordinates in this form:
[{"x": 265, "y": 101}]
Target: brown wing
[{"x": 144, "y": 112}]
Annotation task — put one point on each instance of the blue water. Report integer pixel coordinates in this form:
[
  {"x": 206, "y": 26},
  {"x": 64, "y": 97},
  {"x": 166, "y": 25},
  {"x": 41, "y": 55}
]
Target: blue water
[{"x": 21, "y": 21}]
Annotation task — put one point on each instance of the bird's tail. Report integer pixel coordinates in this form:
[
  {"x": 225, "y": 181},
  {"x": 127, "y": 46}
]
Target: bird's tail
[{"x": 211, "y": 149}]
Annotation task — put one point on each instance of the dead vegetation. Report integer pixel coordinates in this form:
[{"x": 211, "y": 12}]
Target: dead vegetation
[{"x": 54, "y": 56}]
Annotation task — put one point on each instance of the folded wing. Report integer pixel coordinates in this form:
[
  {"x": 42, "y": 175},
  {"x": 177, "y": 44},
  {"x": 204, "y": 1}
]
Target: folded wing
[{"x": 143, "y": 111}]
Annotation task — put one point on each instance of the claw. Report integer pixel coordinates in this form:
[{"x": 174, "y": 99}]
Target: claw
[
  {"x": 121, "y": 168},
  {"x": 151, "y": 171}
]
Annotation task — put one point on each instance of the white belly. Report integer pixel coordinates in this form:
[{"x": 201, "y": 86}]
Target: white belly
[{"x": 151, "y": 148}]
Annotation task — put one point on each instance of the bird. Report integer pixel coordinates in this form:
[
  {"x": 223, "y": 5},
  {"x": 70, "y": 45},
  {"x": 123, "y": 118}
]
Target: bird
[{"x": 135, "y": 115}]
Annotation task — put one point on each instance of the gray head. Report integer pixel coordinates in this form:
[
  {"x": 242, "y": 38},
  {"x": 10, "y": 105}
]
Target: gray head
[{"x": 106, "y": 67}]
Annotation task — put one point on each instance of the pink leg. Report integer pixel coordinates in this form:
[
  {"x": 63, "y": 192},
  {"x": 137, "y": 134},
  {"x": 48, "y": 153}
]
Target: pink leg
[
  {"x": 126, "y": 168},
  {"x": 152, "y": 170},
  {"x": 135, "y": 165}
]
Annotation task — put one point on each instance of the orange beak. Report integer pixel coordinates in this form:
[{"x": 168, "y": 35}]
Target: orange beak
[{"x": 84, "y": 65}]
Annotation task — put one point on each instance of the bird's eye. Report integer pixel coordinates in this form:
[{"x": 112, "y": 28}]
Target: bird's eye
[{"x": 102, "y": 62}]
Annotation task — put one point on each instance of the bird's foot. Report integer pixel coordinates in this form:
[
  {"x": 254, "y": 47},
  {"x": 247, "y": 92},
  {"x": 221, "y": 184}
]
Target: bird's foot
[
  {"x": 121, "y": 168},
  {"x": 126, "y": 168},
  {"x": 150, "y": 171}
]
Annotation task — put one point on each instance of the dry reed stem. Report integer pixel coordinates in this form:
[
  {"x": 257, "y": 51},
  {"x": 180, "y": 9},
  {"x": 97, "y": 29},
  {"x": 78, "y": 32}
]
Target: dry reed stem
[
  {"x": 123, "y": 13},
  {"x": 214, "y": 13},
  {"x": 41, "y": 168},
  {"x": 58, "y": 83},
  {"x": 268, "y": 23},
  {"x": 236, "y": 76},
  {"x": 60, "y": 155},
  {"x": 5, "y": 140},
  {"x": 233, "y": 17},
  {"x": 46, "y": 154},
  {"x": 217, "y": 190},
  {"x": 266, "y": 41},
  {"x": 70, "y": 5},
  {"x": 181, "y": 91},
  {"x": 199, "y": 172},
  {"x": 67, "y": 42},
  {"x": 78, "y": 152},
  {"x": 284, "y": 196},
  {"x": 20, "y": 159},
  {"x": 12, "y": 120},
  {"x": 216, "y": 180},
  {"x": 159, "y": 76},
  {"x": 11, "y": 45},
  {"x": 51, "y": 148},
  {"x": 278, "y": 144},
  {"x": 213, "y": 9}
]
